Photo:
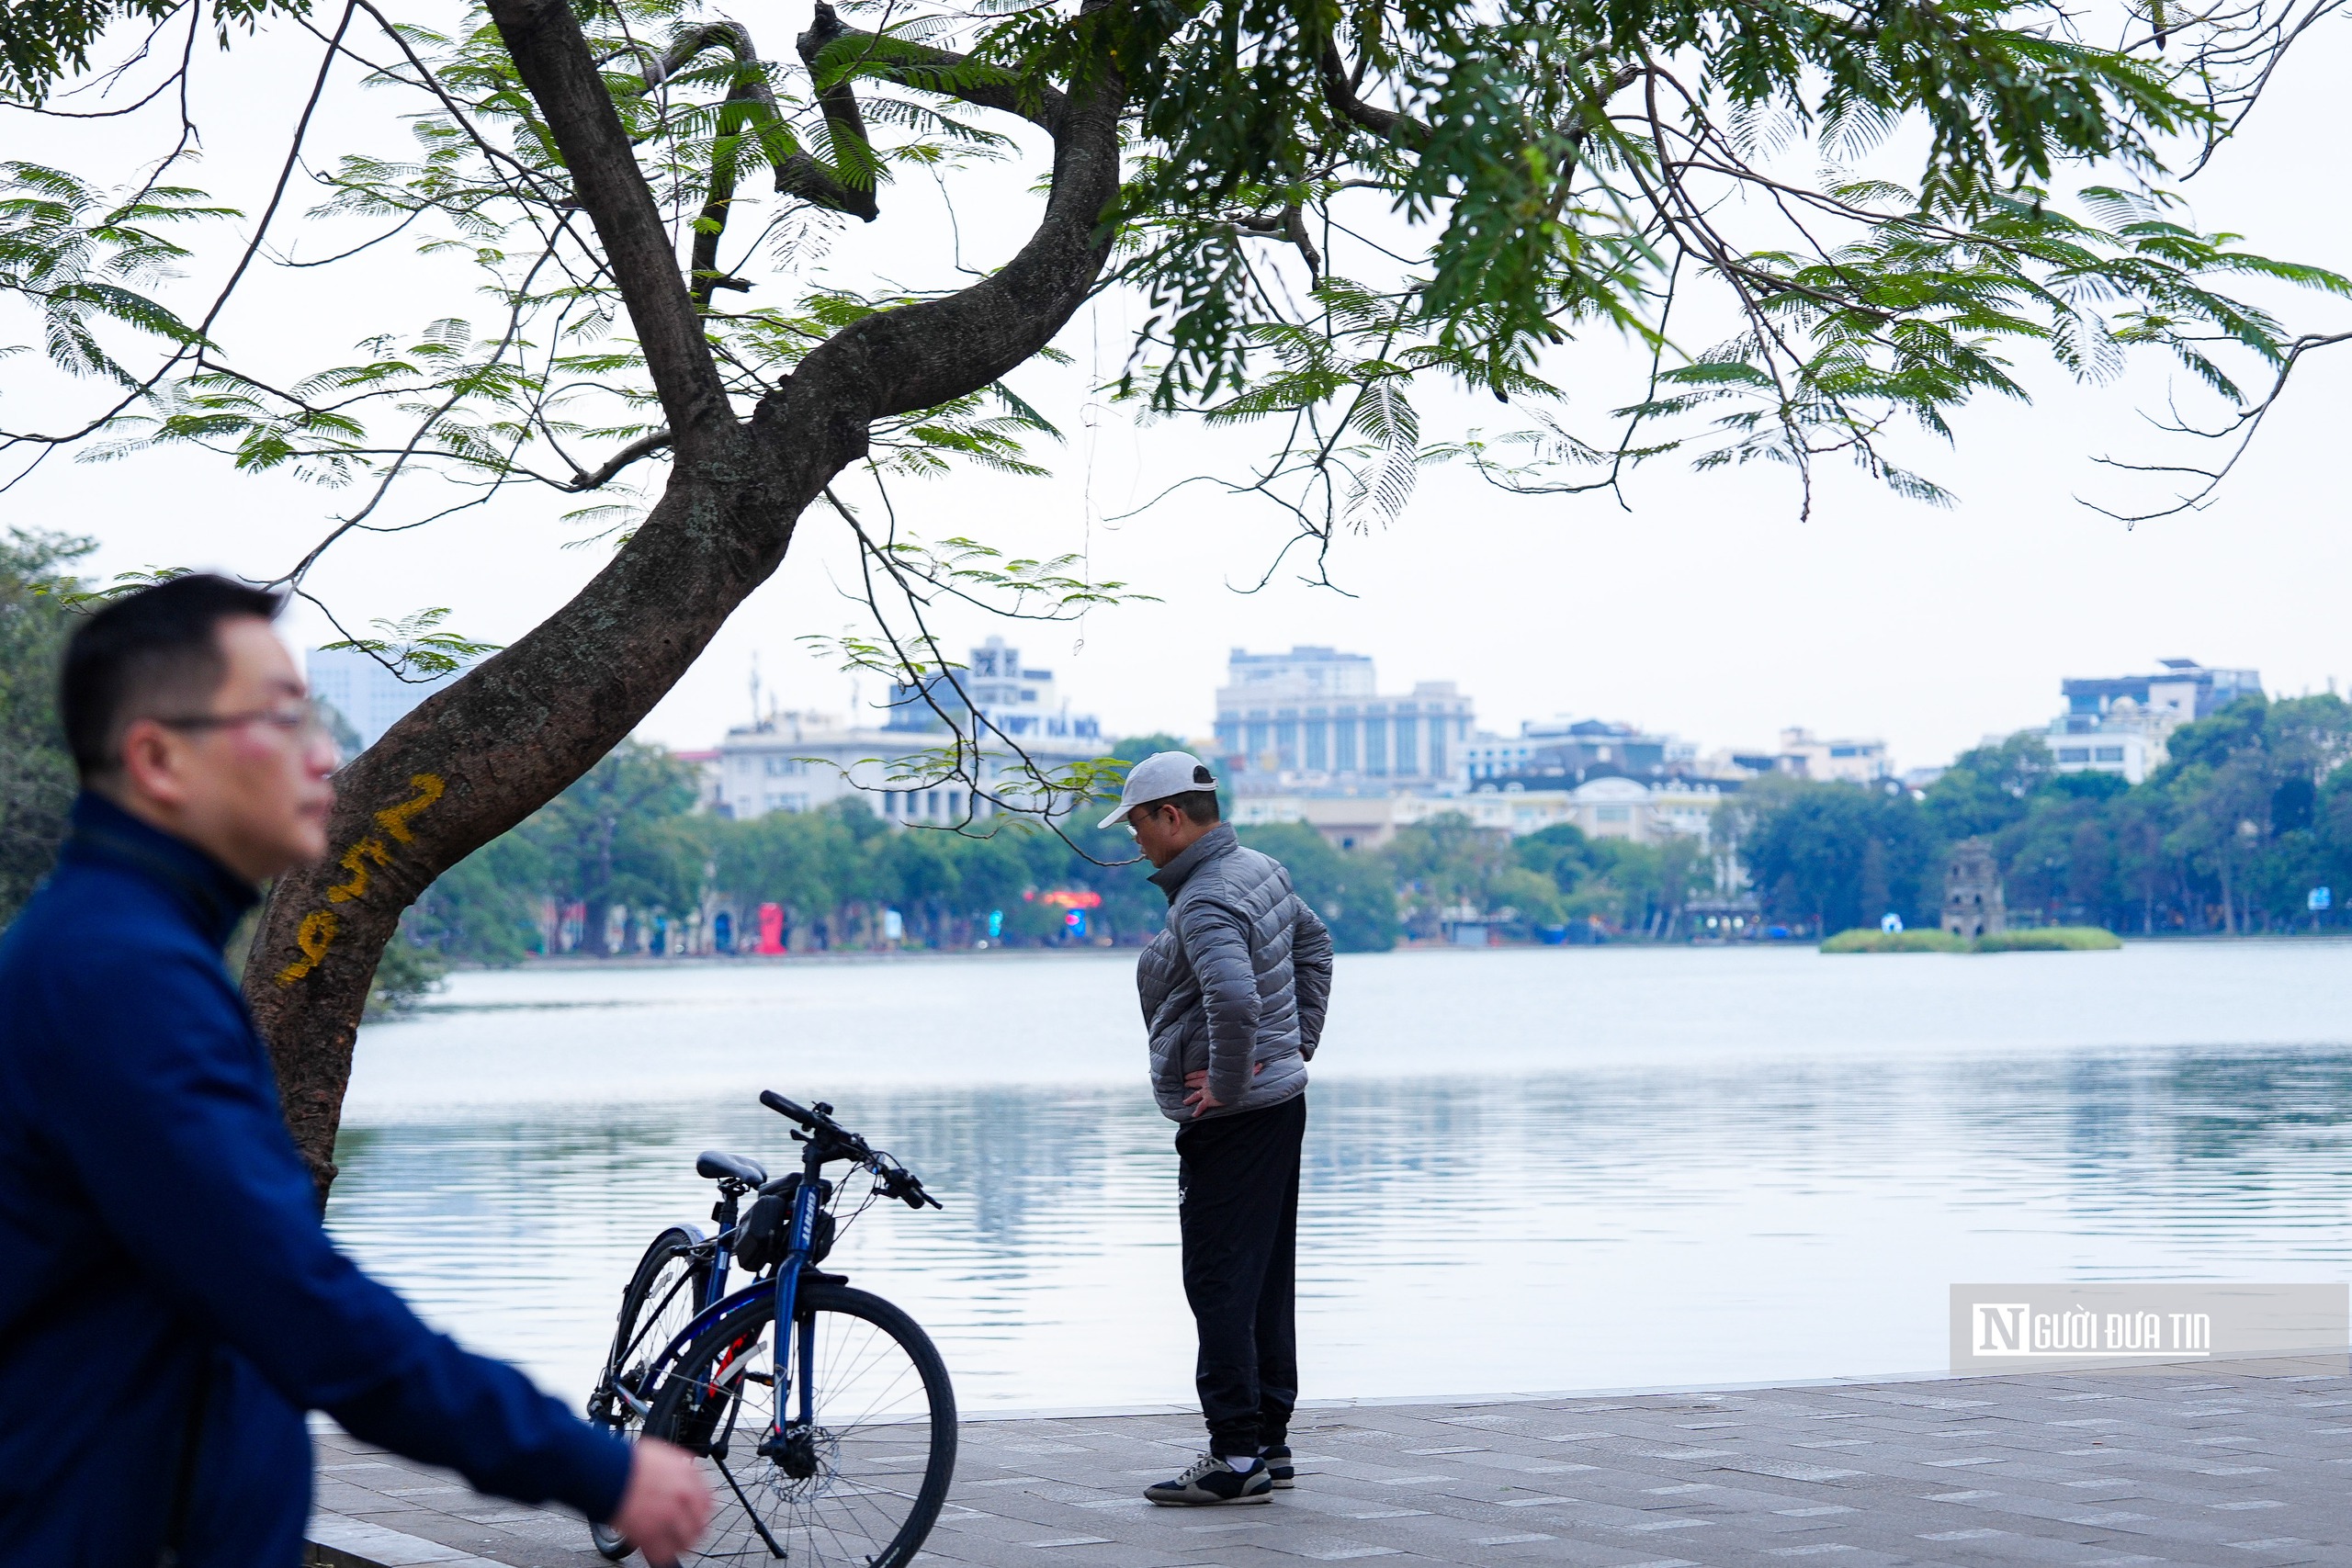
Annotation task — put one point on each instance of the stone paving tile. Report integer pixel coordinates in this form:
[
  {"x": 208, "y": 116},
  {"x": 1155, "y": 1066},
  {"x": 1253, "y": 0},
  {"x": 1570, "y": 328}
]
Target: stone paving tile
[{"x": 2230, "y": 1468}]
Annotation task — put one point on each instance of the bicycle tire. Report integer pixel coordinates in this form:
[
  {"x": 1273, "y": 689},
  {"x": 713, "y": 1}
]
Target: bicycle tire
[
  {"x": 670, "y": 1284},
  {"x": 853, "y": 1508}
]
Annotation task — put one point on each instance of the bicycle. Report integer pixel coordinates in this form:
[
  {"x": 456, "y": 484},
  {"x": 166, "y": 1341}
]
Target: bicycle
[{"x": 834, "y": 1444}]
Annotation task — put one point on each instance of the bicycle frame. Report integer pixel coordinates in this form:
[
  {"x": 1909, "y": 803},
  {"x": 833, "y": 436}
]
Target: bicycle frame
[{"x": 806, "y": 1204}]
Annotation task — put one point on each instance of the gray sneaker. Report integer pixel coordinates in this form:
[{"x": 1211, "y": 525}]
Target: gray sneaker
[
  {"x": 1208, "y": 1481},
  {"x": 1278, "y": 1465}
]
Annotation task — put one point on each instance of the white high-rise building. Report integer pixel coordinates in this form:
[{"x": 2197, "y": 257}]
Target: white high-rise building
[
  {"x": 2123, "y": 724},
  {"x": 799, "y": 761},
  {"x": 1315, "y": 717},
  {"x": 371, "y": 698}
]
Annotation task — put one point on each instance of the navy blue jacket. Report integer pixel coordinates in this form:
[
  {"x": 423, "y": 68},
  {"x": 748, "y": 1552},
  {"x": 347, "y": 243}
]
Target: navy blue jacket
[{"x": 170, "y": 1305}]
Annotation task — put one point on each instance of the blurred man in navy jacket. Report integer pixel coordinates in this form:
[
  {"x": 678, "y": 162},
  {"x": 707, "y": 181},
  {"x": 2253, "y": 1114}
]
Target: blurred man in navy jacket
[{"x": 170, "y": 1305}]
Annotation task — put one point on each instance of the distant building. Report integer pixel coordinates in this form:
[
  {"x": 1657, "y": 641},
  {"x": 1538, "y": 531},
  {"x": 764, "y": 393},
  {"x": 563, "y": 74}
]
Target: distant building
[
  {"x": 1314, "y": 718},
  {"x": 1646, "y": 813},
  {"x": 1844, "y": 761},
  {"x": 1602, "y": 808},
  {"x": 2121, "y": 724},
  {"x": 1016, "y": 701},
  {"x": 801, "y": 761},
  {"x": 368, "y": 698},
  {"x": 2187, "y": 689},
  {"x": 1557, "y": 753},
  {"x": 2127, "y": 740},
  {"x": 1733, "y": 762},
  {"x": 797, "y": 760},
  {"x": 1972, "y": 904}
]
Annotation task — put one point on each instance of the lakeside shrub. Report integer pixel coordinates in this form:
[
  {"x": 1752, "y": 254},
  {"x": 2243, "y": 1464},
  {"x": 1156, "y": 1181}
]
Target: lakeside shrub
[
  {"x": 1864, "y": 939},
  {"x": 2050, "y": 938}
]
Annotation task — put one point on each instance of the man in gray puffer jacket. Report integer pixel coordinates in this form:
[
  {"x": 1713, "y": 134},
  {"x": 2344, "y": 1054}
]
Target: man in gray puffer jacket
[{"x": 1233, "y": 993}]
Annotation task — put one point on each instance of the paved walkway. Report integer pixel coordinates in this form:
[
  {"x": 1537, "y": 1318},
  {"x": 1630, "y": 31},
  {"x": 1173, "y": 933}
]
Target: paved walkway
[{"x": 2233, "y": 1464}]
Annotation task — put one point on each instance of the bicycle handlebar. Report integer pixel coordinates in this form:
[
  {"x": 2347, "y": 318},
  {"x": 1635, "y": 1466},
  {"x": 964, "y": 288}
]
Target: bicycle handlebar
[
  {"x": 907, "y": 1187},
  {"x": 821, "y": 1124},
  {"x": 897, "y": 1180},
  {"x": 785, "y": 1109}
]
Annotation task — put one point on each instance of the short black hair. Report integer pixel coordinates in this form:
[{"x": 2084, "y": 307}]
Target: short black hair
[
  {"x": 1200, "y": 805},
  {"x": 147, "y": 655}
]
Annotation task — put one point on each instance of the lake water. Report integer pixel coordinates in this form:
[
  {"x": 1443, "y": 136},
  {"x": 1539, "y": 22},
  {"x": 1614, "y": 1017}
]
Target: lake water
[{"x": 1527, "y": 1169}]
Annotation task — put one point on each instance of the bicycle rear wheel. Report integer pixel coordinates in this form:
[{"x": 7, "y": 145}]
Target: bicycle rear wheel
[
  {"x": 661, "y": 1299},
  {"x": 862, "y": 1482}
]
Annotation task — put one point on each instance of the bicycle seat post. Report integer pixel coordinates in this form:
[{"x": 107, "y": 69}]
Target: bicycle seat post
[{"x": 724, "y": 1214}]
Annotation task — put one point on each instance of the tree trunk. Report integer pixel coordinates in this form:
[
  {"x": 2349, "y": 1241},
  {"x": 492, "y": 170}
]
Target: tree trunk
[{"x": 481, "y": 754}]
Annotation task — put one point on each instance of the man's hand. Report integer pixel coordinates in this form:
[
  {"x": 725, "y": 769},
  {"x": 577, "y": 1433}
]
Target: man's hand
[
  {"x": 1201, "y": 1099},
  {"x": 666, "y": 1506}
]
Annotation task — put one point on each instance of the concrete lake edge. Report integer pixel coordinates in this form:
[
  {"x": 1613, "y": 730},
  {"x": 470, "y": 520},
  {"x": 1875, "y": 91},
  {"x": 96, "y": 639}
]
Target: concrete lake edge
[{"x": 1926, "y": 1469}]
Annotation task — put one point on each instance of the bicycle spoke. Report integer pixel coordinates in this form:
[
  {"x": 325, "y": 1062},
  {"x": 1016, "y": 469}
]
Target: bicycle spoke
[
  {"x": 656, "y": 1324},
  {"x": 869, "y": 1444}
]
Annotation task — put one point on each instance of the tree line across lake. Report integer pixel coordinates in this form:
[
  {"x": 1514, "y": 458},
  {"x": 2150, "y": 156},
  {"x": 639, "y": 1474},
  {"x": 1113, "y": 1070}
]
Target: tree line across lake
[
  {"x": 629, "y": 851},
  {"x": 2252, "y": 811}
]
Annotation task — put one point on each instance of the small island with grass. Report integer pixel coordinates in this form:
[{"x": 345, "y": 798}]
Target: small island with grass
[
  {"x": 1976, "y": 919},
  {"x": 2044, "y": 939}
]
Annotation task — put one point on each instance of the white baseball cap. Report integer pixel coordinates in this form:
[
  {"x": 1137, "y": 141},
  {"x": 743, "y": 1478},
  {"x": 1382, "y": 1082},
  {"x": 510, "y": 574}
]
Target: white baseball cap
[{"x": 1157, "y": 777}]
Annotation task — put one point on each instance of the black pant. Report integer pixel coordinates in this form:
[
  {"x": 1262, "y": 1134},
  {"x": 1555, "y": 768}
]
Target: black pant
[{"x": 1238, "y": 1194}]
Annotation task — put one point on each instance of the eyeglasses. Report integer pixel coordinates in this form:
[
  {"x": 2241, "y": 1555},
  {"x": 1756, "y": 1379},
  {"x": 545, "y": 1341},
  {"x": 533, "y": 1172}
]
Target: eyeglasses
[{"x": 301, "y": 721}]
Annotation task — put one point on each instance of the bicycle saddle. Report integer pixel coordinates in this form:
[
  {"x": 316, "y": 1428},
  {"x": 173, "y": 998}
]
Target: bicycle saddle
[{"x": 712, "y": 1164}]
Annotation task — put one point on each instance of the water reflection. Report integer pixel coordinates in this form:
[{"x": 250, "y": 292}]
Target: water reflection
[{"x": 1687, "y": 1222}]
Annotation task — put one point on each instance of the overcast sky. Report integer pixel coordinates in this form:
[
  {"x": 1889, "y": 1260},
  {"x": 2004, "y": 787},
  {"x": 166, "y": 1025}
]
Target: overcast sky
[{"x": 1710, "y": 610}]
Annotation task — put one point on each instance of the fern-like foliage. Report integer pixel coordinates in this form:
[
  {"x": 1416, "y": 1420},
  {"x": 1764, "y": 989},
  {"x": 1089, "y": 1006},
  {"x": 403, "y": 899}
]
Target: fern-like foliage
[
  {"x": 80, "y": 258},
  {"x": 1813, "y": 223}
]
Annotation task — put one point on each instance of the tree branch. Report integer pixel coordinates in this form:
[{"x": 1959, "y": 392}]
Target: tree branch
[
  {"x": 839, "y": 99},
  {"x": 553, "y": 60},
  {"x": 1339, "y": 92},
  {"x": 946, "y": 73},
  {"x": 2244, "y": 426},
  {"x": 919, "y": 355},
  {"x": 797, "y": 173},
  {"x": 1290, "y": 224},
  {"x": 643, "y": 446}
]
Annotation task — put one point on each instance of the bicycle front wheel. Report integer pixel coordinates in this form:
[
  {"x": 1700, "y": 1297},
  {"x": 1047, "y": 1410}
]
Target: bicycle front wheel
[{"x": 861, "y": 1481}]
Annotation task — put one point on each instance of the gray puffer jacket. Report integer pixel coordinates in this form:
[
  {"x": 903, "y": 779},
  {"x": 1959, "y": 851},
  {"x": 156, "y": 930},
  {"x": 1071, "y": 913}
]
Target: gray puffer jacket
[{"x": 1240, "y": 977}]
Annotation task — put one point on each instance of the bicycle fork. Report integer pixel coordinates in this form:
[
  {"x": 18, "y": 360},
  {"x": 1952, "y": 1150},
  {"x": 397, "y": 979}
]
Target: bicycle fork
[
  {"x": 784, "y": 1444},
  {"x": 789, "y": 1443}
]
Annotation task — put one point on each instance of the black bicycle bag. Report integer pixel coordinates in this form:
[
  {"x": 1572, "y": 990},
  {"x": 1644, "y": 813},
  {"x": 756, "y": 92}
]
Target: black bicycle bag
[{"x": 765, "y": 1235}]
